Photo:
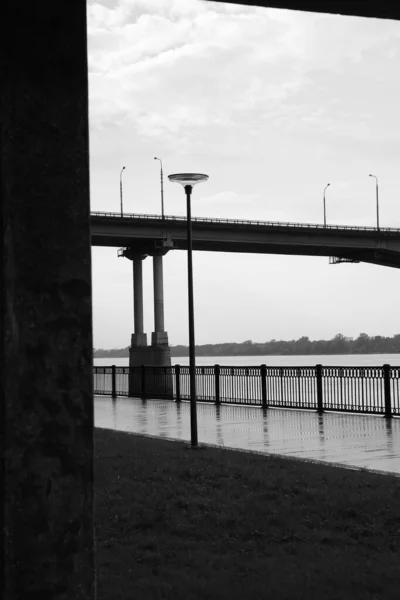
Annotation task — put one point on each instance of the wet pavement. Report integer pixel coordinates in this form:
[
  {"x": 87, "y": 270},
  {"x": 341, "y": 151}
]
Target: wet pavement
[{"x": 356, "y": 441}]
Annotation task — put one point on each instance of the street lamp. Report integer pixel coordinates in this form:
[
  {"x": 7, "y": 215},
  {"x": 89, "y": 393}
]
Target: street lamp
[
  {"x": 120, "y": 188},
  {"x": 377, "y": 201},
  {"x": 162, "y": 187},
  {"x": 188, "y": 180},
  {"x": 327, "y": 185}
]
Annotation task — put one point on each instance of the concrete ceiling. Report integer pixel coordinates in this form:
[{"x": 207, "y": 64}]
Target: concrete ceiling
[{"x": 381, "y": 9}]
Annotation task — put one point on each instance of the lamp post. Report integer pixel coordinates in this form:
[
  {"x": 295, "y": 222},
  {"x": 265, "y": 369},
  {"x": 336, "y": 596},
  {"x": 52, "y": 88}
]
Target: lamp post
[
  {"x": 377, "y": 201},
  {"x": 327, "y": 185},
  {"x": 188, "y": 180},
  {"x": 120, "y": 189},
  {"x": 162, "y": 187}
]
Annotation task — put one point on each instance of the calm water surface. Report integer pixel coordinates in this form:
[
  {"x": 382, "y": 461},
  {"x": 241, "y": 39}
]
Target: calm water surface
[{"x": 345, "y": 360}]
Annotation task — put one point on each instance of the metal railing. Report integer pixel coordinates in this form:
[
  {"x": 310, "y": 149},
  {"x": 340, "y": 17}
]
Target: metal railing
[
  {"x": 277, "y": 224},
  {"x": 345, "y": 389}
]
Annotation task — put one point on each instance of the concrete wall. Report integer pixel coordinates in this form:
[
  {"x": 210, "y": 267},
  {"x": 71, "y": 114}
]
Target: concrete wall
[{"x": 46, "y": 419}]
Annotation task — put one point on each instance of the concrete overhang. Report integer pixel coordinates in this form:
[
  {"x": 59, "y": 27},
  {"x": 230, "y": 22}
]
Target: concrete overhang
[{"x": 385, "y": 9}]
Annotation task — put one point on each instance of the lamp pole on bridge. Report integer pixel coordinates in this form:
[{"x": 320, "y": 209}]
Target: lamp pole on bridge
[
  {"x": 120, "y": 189},
  {"x": 162, "y": 187},
  {"x": 327, "y": 185},
  {"x": 188, "y": 180},
  {"x": 377, "y": 200}
]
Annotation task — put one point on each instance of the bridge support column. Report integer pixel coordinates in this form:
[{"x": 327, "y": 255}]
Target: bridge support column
[
  {"x": 138, "y": 351},
  {"x": 159, "y": 337},
  {"x": 159, "y": 353},
  {"x": 161, "y": 383},
  {"x": 139, "y": 338}
]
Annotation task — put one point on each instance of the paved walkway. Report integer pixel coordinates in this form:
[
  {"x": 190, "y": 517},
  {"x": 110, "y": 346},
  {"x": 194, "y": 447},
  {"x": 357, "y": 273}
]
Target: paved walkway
[{"x": 369, "y": 442}]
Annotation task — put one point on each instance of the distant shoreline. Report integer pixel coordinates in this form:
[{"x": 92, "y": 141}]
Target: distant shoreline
[
  {"x": 257, "y": 354},
  {"x": 339, "y": 345}
]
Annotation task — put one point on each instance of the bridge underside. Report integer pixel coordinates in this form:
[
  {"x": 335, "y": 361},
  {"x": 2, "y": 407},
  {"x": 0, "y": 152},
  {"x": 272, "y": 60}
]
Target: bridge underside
[
  {"x": 379, "y": 257},
  {"x": 148, "y": 233},
  {"x": 383, "y": 257}
]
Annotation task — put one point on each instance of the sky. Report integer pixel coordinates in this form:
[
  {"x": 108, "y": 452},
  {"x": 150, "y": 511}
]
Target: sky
[{"x": 272, "y": 105}]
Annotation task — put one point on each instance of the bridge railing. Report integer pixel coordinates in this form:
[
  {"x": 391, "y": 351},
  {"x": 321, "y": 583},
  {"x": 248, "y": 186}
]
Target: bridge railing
[
  {"x": 374, "y": 390},
  {"x": 284, "y": 224}
]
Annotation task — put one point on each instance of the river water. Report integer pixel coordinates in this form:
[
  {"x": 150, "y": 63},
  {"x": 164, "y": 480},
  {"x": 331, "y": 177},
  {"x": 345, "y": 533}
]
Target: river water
[{"x": 343, "y": 360}]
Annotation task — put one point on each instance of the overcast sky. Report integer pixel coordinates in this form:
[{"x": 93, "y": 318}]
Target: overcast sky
[{"x": 272, "y": 105}]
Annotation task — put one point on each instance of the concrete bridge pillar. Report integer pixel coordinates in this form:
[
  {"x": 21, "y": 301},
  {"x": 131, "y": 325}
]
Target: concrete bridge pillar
[
  {"x": 137, "y": 256},
  {"x": 139, "y": 338},
  {"x": 159, "y": 353},
  {"x": 159, "y": 336}
]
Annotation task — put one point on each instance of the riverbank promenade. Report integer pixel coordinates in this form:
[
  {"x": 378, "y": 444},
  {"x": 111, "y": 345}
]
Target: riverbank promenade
[{"x": 356, "y": 441}]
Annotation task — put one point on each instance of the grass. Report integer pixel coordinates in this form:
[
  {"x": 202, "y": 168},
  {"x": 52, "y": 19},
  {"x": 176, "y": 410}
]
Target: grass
[{"x": 177, "y": 523}]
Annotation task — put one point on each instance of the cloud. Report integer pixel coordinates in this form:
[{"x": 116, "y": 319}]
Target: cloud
[
  {"x": 196, "y": 71},
  {"x": 229, "y": 197},
  {"x": 169, "y": 51}
]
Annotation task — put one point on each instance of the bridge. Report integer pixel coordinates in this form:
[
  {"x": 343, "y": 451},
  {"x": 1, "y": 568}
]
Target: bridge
[
  {"x": 139, "y": 236},
  {"x": 142, "y": 233}
]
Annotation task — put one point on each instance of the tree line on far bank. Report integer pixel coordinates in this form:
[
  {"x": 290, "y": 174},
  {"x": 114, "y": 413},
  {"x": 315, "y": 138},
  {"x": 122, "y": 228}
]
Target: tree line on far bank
[{"x": 340, "y": 344}]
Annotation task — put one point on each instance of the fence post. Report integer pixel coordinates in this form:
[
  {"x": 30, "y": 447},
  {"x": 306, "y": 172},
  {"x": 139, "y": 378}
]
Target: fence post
[
  {"x": 178, "y": 382},
  {"x": 217, "y": 371},
  {"x": 386, "y": 384},
  {"x": 263, "y": 371},
  {"x": 113, "y": 382},
  {"x": 143, "y": 386},
  {"x": 318, "y": 372}
]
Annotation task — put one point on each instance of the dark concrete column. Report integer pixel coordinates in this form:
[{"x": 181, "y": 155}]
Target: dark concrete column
[
  {"x": 139, "y": 338},
  {"x": 46, "y": 419},
  {"x": 159, "y": 336},
  {"x": 159, "y": 353},
  {"x": 138, "y": 295}
]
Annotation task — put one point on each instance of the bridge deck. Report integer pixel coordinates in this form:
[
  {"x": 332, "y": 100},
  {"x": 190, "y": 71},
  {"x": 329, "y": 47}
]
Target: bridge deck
[
  {"x": 167, "y": 218},
  {"x": 364, "y": 244}
]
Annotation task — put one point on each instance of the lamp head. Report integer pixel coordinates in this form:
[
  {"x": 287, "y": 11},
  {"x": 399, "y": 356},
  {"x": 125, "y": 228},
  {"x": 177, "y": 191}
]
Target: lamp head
[{"x": 188, "y": 179}]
